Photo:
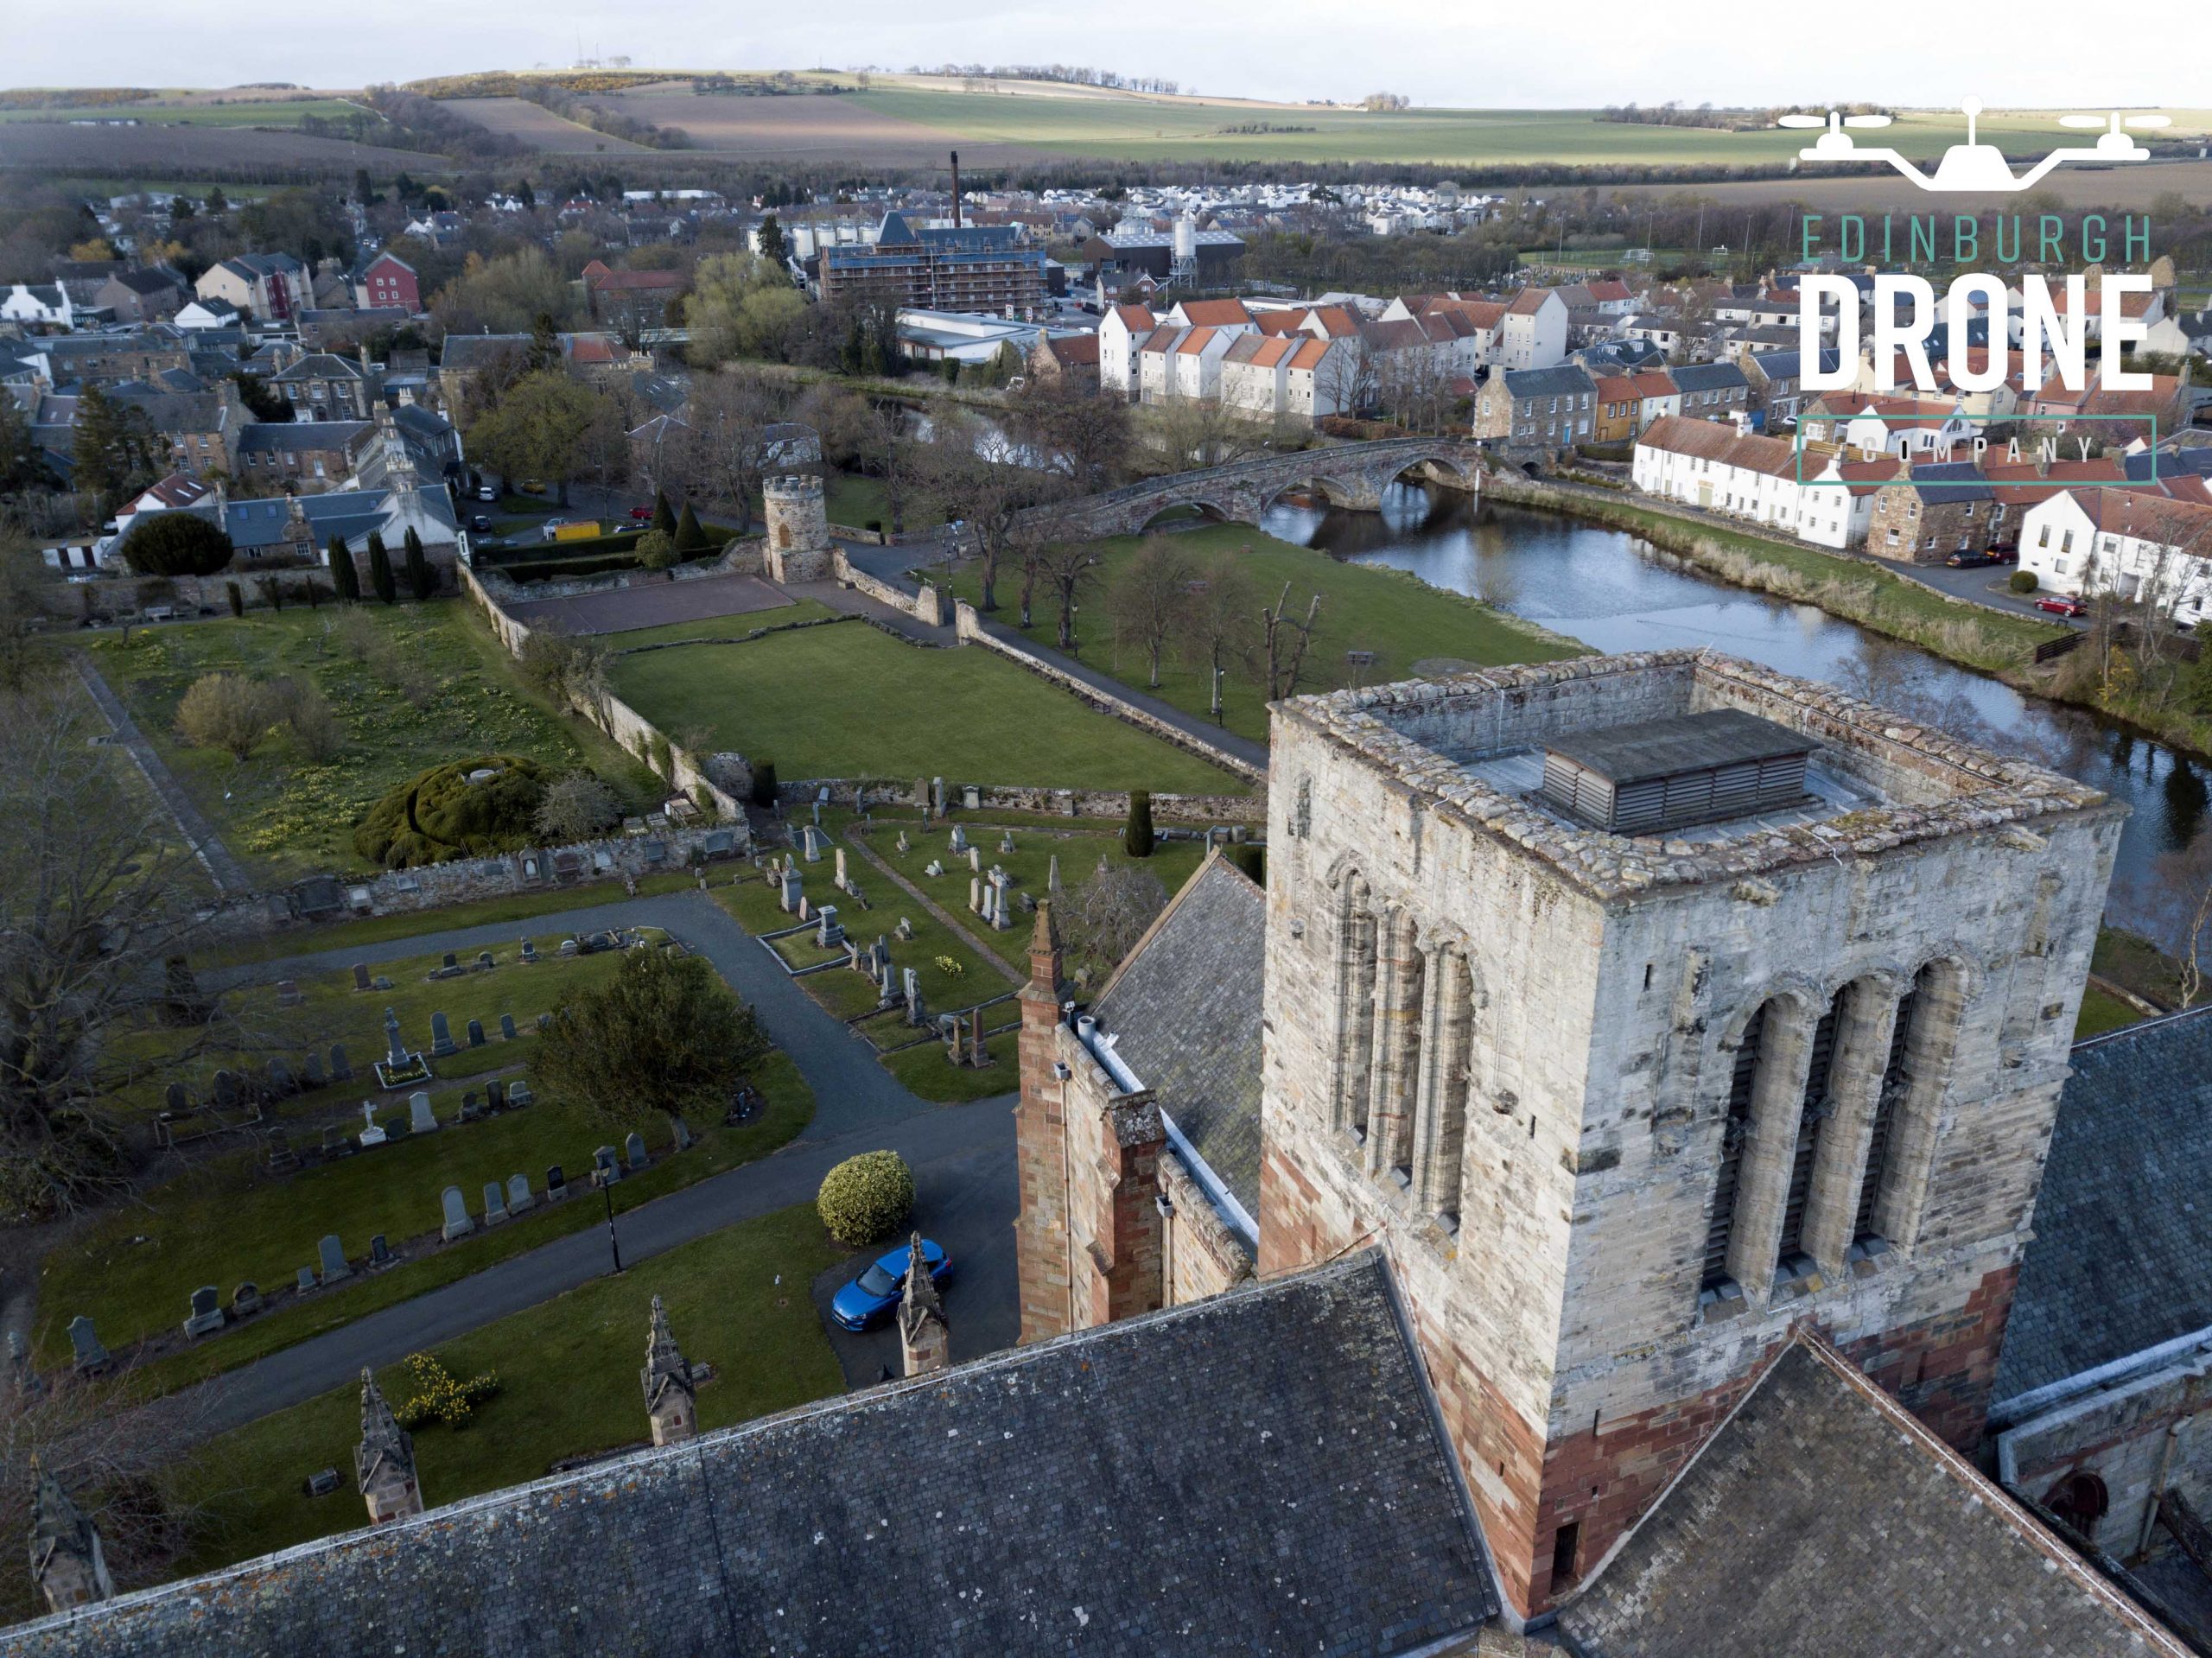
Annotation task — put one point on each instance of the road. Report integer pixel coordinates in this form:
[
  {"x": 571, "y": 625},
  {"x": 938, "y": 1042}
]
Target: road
[{"x": 963, "y": 1157}]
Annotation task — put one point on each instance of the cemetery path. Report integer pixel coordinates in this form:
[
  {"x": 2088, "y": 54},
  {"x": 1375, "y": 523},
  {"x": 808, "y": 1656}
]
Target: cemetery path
[
  {"x": 947, "y": 1146},
  {"x": 223, "y": 869}
]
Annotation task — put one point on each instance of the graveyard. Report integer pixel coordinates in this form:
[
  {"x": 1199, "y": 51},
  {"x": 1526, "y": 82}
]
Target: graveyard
[
  {"x": 568, "y": 1385},
  {"x": 1375, "y": 623},
  {"x": 847, "y": 700},
  {"x": 327, "y": 1209},
  {"x": 405, "y": 687}
]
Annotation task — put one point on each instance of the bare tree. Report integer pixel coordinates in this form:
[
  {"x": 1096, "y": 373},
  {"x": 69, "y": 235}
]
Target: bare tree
[
  {"x": 888, "y": 452},
  {"x": 94, "y": 907},
  {"x": 1065, "y": 428},
  {"x": 1068, "y": 567},
  {"x": 1148, "y": 597},
  {"x": 1287, "y": 639},
  {"x": 718, "y": 449},
  {"x": 974, "y": 476},
  {"x": 1101, "y": 920},
  {"x": 1216, "y": 627}
]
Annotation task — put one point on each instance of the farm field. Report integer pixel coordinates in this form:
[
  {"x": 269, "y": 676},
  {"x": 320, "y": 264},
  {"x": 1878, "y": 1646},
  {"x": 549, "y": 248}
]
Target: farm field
[
  {"x": 845, "y": 128},
  {"x": 535, "y": 125},
  {"x": 262, "y": 113},
  {"x": 56, "y": 145}
]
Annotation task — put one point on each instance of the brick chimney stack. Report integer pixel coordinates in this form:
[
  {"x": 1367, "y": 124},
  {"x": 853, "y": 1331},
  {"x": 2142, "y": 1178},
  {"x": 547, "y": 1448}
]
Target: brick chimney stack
[{"x": 956, "y": 189}]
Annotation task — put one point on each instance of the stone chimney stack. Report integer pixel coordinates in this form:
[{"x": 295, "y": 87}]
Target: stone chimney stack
[
  {"x": 671, "y": 1397},
  {"x": 67, "y": 1564},
  {"x": 383, "y": 1463},
  {"x": 925, "y": 1339}
]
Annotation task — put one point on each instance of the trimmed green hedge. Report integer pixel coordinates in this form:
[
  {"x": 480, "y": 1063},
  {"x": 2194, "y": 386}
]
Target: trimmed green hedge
[{"x": 864, "y": 1198}]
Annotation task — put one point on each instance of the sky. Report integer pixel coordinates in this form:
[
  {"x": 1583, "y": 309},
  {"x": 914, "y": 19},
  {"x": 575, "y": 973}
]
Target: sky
[{"x": 1454, "y": 53}]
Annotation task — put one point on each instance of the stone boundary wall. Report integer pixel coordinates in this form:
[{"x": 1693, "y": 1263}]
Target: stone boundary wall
[
  {"x": 866, "y": 538},
  {"x": 924, "y": 605},
  {"x": 1099, "y": 805},
  {"x": 738, "y": 558},
  {"x": 967, "y": 627}
]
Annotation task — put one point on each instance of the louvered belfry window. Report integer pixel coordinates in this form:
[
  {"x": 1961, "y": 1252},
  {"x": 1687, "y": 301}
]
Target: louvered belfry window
[
  {"x": 1734, "y": 1129},
  {"x": 1812, "y": 1116}
]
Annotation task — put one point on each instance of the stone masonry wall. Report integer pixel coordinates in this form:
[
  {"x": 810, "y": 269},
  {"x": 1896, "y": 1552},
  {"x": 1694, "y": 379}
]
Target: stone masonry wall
[{"x": 2137, "y": 1438}]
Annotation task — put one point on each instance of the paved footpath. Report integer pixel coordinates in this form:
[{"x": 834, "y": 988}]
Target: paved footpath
[
  {"x": 227, "y": 873},
  {"x": 859, "y": 1107}
]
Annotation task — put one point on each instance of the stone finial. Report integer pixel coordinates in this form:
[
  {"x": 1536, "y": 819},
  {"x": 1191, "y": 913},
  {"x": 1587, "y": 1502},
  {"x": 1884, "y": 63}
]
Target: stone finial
[
  {"x": 67, "y": 1563},
  {"x": 671, "y": 1397},
  {"x": 925, "y": 1339},
  {"x": 383, "y": 1463},
  {"x": 1044, "y": 955}
]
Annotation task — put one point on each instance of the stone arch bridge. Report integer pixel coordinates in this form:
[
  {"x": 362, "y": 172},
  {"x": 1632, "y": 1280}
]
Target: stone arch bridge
[{"x": 1348, "y": 474}]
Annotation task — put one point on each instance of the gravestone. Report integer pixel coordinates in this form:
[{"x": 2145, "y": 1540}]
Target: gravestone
[
  {"x": 975, "y": 894},
  {"x": 495, "y": 1095},
  {"x": 206, "y": 1315},
  {"x": 903, "y": 847},
  {"x": 281, "y": 1159},
  {"x": 545, "y": 1023},
  {"x": 475, "y": 1032},
  {"x": 916, "y": 1015},
  {"x": 322, "y": 1481},
  {"x": 959, "y": 841},
  {"x": 518, "y": 1194},
  {"x": 830, "y": 935},
  {"x": 245, "y": 1300},
  {"x": 396, "y": 1054},
  {"x": 451, "y": 963},
  {"x": 175, "y": 1101},
  {"x": 484, "y": 960},
  {"x": 971, "y": 797},
  {"x": 810, "y": 839},
  {"x": 306, "y": 1280},
  {"x": 805, "y": 908},
  {"x": 227, "y": 1087},
  {"x": 380, "y": 1254},
  {"x": 519, "y": 1094},
  {"x": 557, "y": 1185},
  {"x": 932, "y": 868},
  {"x": 441, "y": 1042},
  {"x": 330, "y": 1255},
  {"x": 570, "y": 946},
  {"x": 370, "y": 1134},
  {"x": 788, "y": 893},
  {"x": 280, "y": 1078},
  {"x": 633, "y": 1152},
  {"x": 311, "y": 1069},
  {"x": 360, "y": 975},
  {"x": 288, "y": 993},
  {"x": 85, "y": 1349},
  {"x": 380, "y": 983},
  {"x": 975, "y": 859},
  {"x": 457, "y": 1223},
  {"x": 905, "y": 930},
  {"x": 839, "y": 879},
  {"x": 1052, "y": 873},
  {"x": 495, "y": 1203},
  {"x": 606, "y": 1167},
  {"x": 507, "y": 1027},
  {"x": 936, "y": 795},
  {"x": 683, "y": 1136},
  {"x": 340, "y": 1069},
  {"x": 885, "y": 995},
  {"x": 529, "y": 950},
  {"x": 421, "y": 1120},
  {"x": 335, "y": 1142}
]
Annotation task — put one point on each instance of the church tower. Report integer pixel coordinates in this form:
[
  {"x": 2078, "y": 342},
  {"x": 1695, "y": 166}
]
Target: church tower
[
  {"x": 1642, "y": 1007},
  {"x": 671, "y": 1397},
  {"x": 383, "y": 1463}
]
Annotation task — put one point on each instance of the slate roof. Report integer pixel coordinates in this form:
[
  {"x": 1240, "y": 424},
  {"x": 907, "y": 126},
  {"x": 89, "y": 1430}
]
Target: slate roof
[
  {"x": 1257, "y": 1472},
  {"x": 1566, "y": 380},
  {"x": 1709, "y": 377},
  {"x": 1183, "y": 1009},
  {"x": 2119, "y": 1261},
  {"x": 473, "y": 350},
  {"x": 1823, "y": 1521},
  {"x": 273, "y": 437}
]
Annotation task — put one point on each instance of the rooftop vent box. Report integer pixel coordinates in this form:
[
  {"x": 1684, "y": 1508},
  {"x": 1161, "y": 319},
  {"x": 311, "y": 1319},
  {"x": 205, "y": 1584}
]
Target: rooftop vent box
[{"x": 1664, "y": 774}]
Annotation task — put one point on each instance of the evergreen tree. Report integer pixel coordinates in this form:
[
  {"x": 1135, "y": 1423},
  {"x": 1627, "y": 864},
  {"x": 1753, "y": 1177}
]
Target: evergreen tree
[
  {"x": 1136, "y": 839},
  {"x": 690, "y": 538},
  {"x": 524, "y": 195},
  {"x": 420, "y": 581},
  {"x": 544, "y": 343},
  {"x": 217, "y": 201},
  {"x": 233, "y": 592},
  {"x": 380, "y": 569},
  {"x": 112, "y": 446},
  {"x": 343, "y": 577},
  {"x": 663, "y": 514},
  {"x": 773, "y": 246}
]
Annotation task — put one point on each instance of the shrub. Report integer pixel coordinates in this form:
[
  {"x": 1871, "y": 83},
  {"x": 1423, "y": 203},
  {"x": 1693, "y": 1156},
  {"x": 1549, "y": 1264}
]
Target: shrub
[
  {"x": 661, "y": 757},
  {"x": 343, "y": 574},
  {"x": 865, "y": 1197},
  {"x": 561, "y": 666},
  {"x": 177, "y": 543},
  {"x": 1137, "y": 838},
  {"x": 442, "y": 1397},
  {"x": 663, "y": 515},
  {"x": 380, "y": 577},
  {"x": 421, "y": 581},
  {"x": 236, "y": 594},
  {"x": 2023, "y": 582},
  {"x": 577, "y": 808},
  {"x": 764, "y": 784},
  {"x": 441, "y": 815},
  {"x": 315, "y": 727},
  {"x": 655, "y": 549},
  {"x": 226, "y": 711},
  {"x": 690, "y": 538}
]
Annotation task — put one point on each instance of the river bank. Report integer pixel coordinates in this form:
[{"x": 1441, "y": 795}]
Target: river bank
[{"x": 1981, "y": 638}]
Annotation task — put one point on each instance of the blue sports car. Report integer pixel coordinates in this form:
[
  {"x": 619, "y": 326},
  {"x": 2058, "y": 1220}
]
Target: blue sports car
[{"x": 871, "y": 1297}]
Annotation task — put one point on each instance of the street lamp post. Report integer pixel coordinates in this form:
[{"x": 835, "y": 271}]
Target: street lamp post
[{"x": 614, "y": 1242}]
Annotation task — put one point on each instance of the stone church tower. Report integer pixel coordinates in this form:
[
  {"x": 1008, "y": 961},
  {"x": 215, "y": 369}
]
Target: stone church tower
[
  {"x": 67, "y": 1564},
  {"x": 383, "y": 1463},
  {"x": 671, "y": 1397},
  {"x": 1642, "y": 1008}
]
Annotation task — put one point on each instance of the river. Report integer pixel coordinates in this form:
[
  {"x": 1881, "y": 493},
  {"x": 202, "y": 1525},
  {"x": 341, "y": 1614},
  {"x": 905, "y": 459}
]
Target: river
[{"x": 1616, "y": 591}]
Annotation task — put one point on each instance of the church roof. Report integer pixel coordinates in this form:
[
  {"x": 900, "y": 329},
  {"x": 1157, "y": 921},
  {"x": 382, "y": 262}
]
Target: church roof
[
  {"x": 1259, "y": 1472},
  {"x": 2119, "y": 1261},
  {"x": 1823, "y": 1521},
  {"x": 1184, "y": 1011}
]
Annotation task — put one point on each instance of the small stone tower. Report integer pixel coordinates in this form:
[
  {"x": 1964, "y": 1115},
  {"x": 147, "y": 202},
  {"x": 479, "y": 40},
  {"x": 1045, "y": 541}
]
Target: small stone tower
[
  {"x": 799, "y": 527},
  {"x": 924, "y": 1339},
  {"x": 67, "y": 1564},
  {"x": 671, "y": 1397},
  {"x": 383, "y": 1463}
]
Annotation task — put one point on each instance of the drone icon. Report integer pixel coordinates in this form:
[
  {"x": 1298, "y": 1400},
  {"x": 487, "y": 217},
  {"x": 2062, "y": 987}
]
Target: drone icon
[{"x": 1973, "y": 167}]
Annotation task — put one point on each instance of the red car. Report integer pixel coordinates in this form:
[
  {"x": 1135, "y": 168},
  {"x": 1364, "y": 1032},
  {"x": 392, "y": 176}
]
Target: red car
[
  {"x": 640, "y": 514},
  {"x": 2061, "y": 604}
]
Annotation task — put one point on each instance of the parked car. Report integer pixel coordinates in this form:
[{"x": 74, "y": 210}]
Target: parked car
[
  {"x": 486, "y": 492},
  {"x": 870, "y": 1297},
  {"x": 532, "y": 487},
  {"x": 1971, "y": 561},
  {"x": 2063, "y": 603},
  {"x": 481, "y": 521},
  {"x": 641, "y": 515}
]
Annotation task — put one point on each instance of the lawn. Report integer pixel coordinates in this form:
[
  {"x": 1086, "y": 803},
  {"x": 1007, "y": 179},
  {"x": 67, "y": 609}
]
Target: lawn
[
  {"x": 568, "y": 1374},
  {"x": 229, "y": 1221},
  {"x": 2101, "y": 1011},
  {"x": 1398, "y": 618},
  {"x": 287, "y": 814},
  {"x": 721, "y": 627},
  {"x": 850, "y": 701}
]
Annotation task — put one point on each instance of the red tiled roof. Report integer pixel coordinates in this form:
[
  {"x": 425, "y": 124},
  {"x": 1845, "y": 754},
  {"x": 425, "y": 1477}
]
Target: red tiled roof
[
  {"x": 1075, "y": 349},
  {"x": 1196, "y": 341},
  {"x": 1216, "y": 313},
  {"x": 1309, "y": 355},
  {"x": 1135, "y": 318},
  {"x": 1530, "y": 300},
  {"x": 1275, "y": 322}
]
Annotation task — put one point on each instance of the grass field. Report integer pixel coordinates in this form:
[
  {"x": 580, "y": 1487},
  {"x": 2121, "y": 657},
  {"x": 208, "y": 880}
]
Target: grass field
[
  {"x": 157, "y": 149},
  {"x": 568, "y": 1374},
  {"x": 849, "y": 702},
  {"x": 267, "y": 112},
  {"x": 1363, "y": 607},
  {"x": 229, "y": 1221},
  {"x": 286, "y": 814},
  {"x": 538, "y": 127}
]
